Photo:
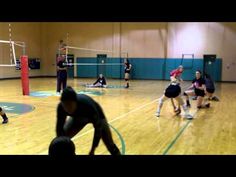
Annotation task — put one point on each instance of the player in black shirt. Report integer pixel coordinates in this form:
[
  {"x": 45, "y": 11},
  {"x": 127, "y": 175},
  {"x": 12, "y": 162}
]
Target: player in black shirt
[
  {"x": 197, "y": 89},
  {"x": 82, "y": 110},
  {"x": 101, "y": 81},
  {"x": 128, "y": 67},
  {"x": 4, "y": 116},
  {"x": 61, "y": 73}
]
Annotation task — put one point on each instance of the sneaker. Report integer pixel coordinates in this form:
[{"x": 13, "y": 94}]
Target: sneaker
[
  {"x": 178, "y": 111},
  {"x": 188, "y": 116},
  {"x": 215, "y": 98},
  {"x": 194, "y": 98},
  {"x": 5, "y": 121},
  {"x": 207, "y": 105},
  {"x": 157, "y": 114},
  {"x": 199, "y": 107}
]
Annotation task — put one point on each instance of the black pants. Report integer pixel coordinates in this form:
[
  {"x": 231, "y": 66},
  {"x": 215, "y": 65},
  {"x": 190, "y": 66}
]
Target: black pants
[{"x": 61, "y": 81}]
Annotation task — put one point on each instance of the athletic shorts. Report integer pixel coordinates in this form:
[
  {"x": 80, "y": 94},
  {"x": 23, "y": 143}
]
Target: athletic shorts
[
  {"x": 210, "y": 90},
  {"x": 199, "y": 92},
  {"x": 173, "y": 91}
]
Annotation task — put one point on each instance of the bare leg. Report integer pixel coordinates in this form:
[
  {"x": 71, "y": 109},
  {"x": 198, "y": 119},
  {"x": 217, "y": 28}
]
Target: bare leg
[
  {"x": 185, "y": 108},
  {"x": 161, "y": 101},
  {"x": 187, "y": 94},
  {"x": 4, "y": 116},
  {"x": 199, "y": 101}
]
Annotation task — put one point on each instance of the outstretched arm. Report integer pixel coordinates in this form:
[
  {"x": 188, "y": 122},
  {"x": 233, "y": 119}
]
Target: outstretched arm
[{"x": 97, "y": 136}]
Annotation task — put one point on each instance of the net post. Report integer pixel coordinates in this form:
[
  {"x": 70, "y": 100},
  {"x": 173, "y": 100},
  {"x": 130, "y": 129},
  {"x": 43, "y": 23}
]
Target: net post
[
  {"x": 24, "y": 74},
  {"x": 66, "y": 54}
]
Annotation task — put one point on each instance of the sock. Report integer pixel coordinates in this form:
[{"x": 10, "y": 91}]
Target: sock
[
  {"x": 160, "y": 106},
  {"x": 185, "y": 108},
  {"x": 188, "y": 103}
]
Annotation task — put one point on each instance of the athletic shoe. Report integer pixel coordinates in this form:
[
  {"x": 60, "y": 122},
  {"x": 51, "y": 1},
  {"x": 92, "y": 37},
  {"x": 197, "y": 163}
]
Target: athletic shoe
[
  {"x": 194, "y": 98},
  {"x": 157, "y": 114},
  {"x": 215, "y": 98},
  {"x": 5, "y": 121},
  {"x": 207, "y": 105},
  {"x": 178, "y": 111},
  {"x": 188, "y": 116},
  {"x": 199, "y": 107}
]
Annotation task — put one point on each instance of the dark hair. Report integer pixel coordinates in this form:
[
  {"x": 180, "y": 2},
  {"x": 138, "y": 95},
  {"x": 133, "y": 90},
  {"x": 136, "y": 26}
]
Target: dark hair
[
  {"x": 68, "y": 94},
  {"x": 127, "y": 60},
  {"x": 61, "y": 146},
  {"x": 207, "y": 76}
]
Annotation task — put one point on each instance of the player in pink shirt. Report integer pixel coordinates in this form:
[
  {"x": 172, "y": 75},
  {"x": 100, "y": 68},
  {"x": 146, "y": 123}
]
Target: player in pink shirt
[{"x": 177, "y": 75}]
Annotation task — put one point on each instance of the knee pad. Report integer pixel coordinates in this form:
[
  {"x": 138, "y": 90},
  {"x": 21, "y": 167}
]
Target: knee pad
[
  {"x": 185, "y": 94},
  {"x": 126, "y": 79},
  {"x": 0, "y": 109}
]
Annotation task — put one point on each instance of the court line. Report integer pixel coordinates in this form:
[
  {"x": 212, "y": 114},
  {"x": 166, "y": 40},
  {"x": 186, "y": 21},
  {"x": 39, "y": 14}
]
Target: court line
[
  {"x": 121, "y": 139},
  {"x": 119, "y": 117},
  {"x": 171, "y": 144}
]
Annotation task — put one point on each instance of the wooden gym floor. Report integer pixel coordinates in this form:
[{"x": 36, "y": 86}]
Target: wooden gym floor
[{"x": 130, "y": 113}]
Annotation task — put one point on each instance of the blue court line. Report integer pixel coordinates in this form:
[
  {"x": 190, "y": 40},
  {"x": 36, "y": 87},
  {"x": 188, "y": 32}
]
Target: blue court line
[{"x": 121, "y": 139}]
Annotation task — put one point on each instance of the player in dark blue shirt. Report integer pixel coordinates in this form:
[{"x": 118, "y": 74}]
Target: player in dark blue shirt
[
  {"x": 61, "y": 73},
  {"x": 101, "y": 81},
  {"x": 210, "y": 88}
]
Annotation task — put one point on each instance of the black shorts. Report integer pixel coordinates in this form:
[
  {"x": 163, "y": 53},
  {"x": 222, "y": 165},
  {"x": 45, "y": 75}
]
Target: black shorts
[
  {"x": 199, "y": 92},
  {"x": 127, "y": 72},
  {"x": 173, "y": 91},
  {"x": 210, "y": 90}
]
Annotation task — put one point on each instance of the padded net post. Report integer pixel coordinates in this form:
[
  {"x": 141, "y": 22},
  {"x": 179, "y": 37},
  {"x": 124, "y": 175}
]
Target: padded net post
[{"x": 25, "y": 74}]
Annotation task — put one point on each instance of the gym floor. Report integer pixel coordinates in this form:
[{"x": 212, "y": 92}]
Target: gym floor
[{"x": 130, "y": 113}]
